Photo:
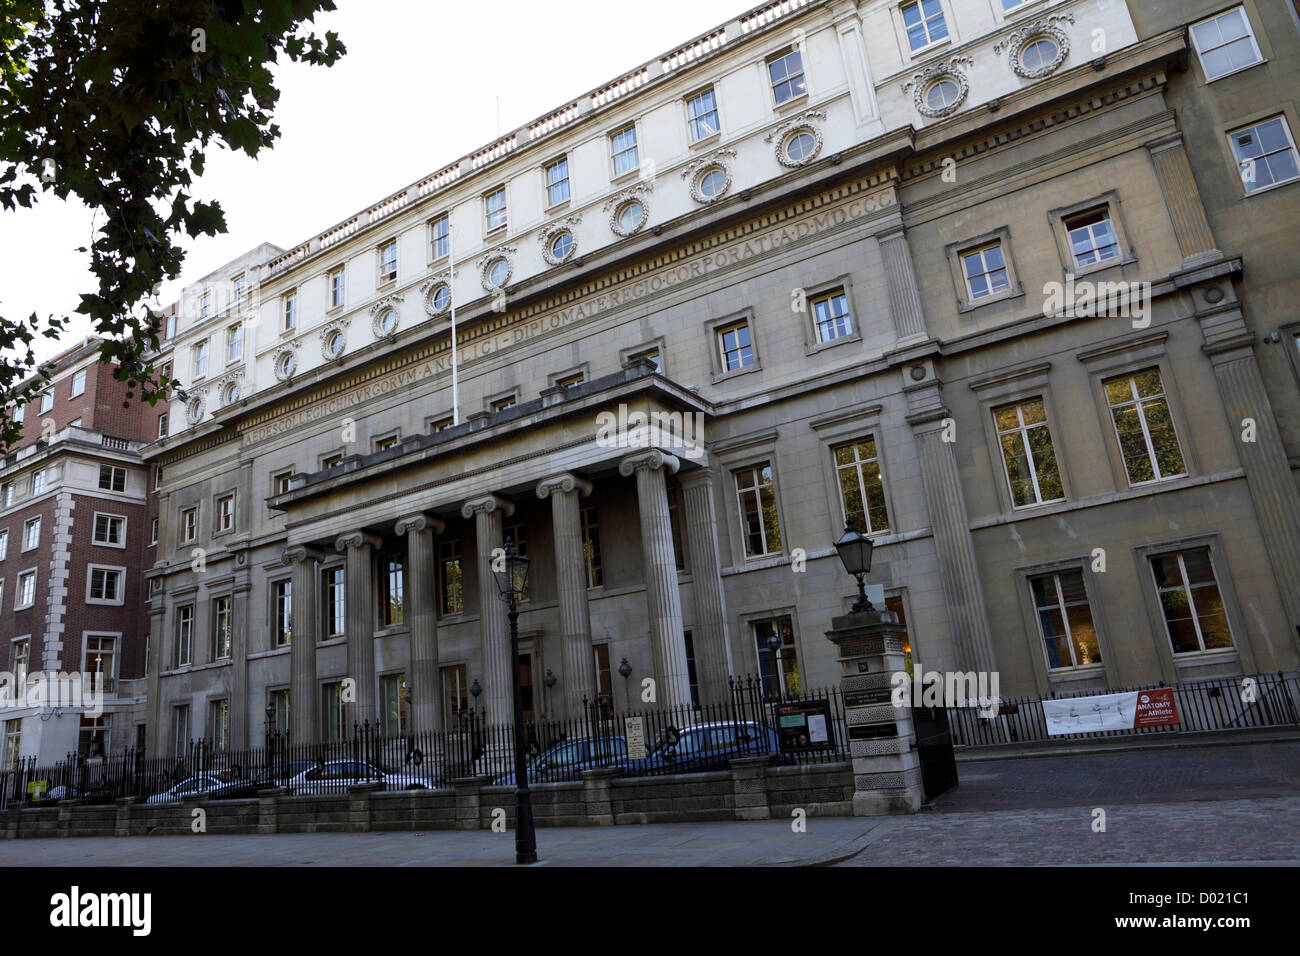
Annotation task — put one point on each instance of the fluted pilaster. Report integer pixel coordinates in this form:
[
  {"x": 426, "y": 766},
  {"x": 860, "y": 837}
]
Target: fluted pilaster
[
  {"x": 360, "y": 549},
  {"x": 664, "y": 605},
  {"x": 423, "y": 673},
  {"x": 494, "y": 642},
  {"x": 710, "y": 636},
  {"x": 579, "y": 677},
  {"x": 1182, "y": 200},
  {"x": 900, "y": 280}
]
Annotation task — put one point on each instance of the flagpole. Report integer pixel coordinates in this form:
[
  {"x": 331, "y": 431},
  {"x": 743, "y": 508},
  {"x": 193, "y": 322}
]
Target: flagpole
[{"x": 451, "y": 289}]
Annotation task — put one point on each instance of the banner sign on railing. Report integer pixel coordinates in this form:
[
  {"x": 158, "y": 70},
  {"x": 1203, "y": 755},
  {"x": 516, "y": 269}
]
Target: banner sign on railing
[{"x": 1127, "y": 711}]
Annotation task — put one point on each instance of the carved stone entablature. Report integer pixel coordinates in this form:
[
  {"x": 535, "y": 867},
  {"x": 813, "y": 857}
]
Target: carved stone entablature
[
  {"x": 385, "y": 316},
  {"x": 699, "y": 170},
  {"x": 616, "y": 206},
  {"x": 1022, "y": 39},
  {"x": 435, "y": 293},
  {"x": 286, "y": 360},
  {"x": 797, "y": 127},
  {"x": 944, "y": 70},
  {"x": 548, "y": 237},
  {"x": 334, "y": 339},
  {"x": 488, "y": 265}
]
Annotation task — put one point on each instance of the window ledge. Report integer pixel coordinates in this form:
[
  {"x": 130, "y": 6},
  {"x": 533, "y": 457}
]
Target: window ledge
[
  {"x": 1126, "y": 259},
  {"x": 970, "y": 305},
  {"x": 630, "y": 176},
  {"x": 1268, "y": 189},
  {"x": 842, "y": 340},
  {"x": 711, "y": 140},
  {"x": 336, "y": 309},
  {"x": 735, "y": 373},
  {"x": 558, "y": 208},
  {"x": 792, "y": 105},
  {"x": 922, "y": 52},
  {"x": 385, "y": 285}
]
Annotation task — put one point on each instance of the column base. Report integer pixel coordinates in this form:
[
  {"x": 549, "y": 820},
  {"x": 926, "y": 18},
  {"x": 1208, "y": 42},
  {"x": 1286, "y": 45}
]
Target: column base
[{"x": 876, "y": 803}]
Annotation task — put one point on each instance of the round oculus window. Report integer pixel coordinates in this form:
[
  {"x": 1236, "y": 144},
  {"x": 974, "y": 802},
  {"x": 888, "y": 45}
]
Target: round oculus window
[
  {"x": 942, "y": 95},
  {"x": 388, "y": 322},
  {"x": 1039, "y": 55},
  {"x": 441, "y": 298},
  {"x": 230, "y": 394},
  {"x": 562, "y": 246},
  {"x": 287, "y": 365},
  {"x": 800, "y": 147},
  {"x": 713, "y": 183},
  {"x": 630, "y": 216},
  {"x": 498, "y": 273},
  {"x": 334, "y": 344}
]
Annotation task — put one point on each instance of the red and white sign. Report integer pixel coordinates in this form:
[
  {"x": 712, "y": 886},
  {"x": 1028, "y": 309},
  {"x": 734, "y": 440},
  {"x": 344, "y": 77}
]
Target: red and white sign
[{"x": 1126, "y": 711}]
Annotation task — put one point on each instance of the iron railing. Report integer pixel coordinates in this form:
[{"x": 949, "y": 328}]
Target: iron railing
[
  {"x": 1215, "y": 704},
  {"x": 684, "y": 739}
]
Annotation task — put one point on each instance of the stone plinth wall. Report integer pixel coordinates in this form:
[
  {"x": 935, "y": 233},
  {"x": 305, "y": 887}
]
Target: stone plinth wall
[{"x": 750, "y": 790}]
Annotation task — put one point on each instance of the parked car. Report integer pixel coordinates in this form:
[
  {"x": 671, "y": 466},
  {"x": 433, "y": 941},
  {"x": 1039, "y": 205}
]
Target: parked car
[
  {"x": 703, "y": 747},
  {"x": 333, "y": 776},
  {"x": 201, "y": 783},
  {"x": 245, "y": 788},
  {"x": 566, "y": 758}
]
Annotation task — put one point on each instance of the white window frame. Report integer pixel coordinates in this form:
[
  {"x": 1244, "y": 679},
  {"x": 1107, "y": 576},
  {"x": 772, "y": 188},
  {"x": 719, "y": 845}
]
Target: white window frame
[
  {"x": 30, "y": 525},
  {"x": 38, "y": 482},
  {"x": 113, "y": 472},
  {"x": 189, "y": 529},
  {"x": 386, "y": 275},
  {"x": 565, "y": 180},
  {"x": 185, "y": 634},
  {"x": 434, "y": 238},
  {"x": 829, "y": 295},
  {"x": 234, "y": 343},
  {"x": 1250, "y": 35},
  {"x": 1136, "y": 401},
  {"x": 289, "y": 311},
  {"x": 1023, "y": 430},
  {"x": 47, "y": 399},
  {"x": 4, "y": 543},
  {"x": 21, "y": 604},
  {"x": 803, "y": 72},
  {"x": 217, "y": 603},
  {"x": 108, "y": 569},
  {"x": 94, "y": 532},
  {"x": 694, "y": 119},
  {"x": 79, "y": 383},
  {"x": 930, "y": 41},
  {"x": 634, "y": 151},
  {"x": 110, "y": 681},
  {"x": 1250, "y": 188},
  {"x": 753, "y": 472},
  {"x": 488, "y": 228},
  {"x": 1191, "y": 601},
  {"x": 1060, "y": 607},
  {"x": 222, "y": 513},
  {"x": 336, "y": 287},
  {"x": 153, "y": 532}
]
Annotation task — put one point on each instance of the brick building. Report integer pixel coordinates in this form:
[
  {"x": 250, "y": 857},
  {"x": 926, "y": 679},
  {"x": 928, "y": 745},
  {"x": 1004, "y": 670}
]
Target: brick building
[{"x": 77, "y": 529}]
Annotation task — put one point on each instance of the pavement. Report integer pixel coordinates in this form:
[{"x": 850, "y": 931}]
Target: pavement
[{"x": 1221, "y": 805}]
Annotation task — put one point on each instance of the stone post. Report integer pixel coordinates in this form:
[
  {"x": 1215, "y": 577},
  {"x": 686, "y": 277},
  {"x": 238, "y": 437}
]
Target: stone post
[
  {"x": 424, "y": 675},
  {"x": 597, "y": 795},
  {"x": 494, "y": 644},
  {"x": 668, "y": 647},
  {"x": 882, "y": 738},
  {"x": 749, "y": 782},
  {"x": 579, "y": 675},
  {"x": 710, "y": 637}
]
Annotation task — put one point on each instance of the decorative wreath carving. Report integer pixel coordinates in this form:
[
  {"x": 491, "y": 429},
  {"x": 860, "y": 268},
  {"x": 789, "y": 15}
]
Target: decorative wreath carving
[
  {"x": 942, "y": 70},
  {"x": 809, "y": 123},
  {"x": 637, "y": 192},
  {"x": 278, "y": 366},
  {"x": 386, "y": 304},
  {"x": 341, "y": 327},
  {"x": 700, "y": 168},
  {"x": 429, "y": 292},
  {"x": 1045, "y": 29},
  {"x": 547, "y": 238},
  {"x": 485, "y": 266}
]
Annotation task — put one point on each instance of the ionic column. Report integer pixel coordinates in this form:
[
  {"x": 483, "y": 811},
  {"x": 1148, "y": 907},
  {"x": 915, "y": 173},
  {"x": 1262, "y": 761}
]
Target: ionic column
[
  {"x": 303, "y": 727},
  {"x": 360, "y": 548},
  {"x": 663, "y": 602},
  {"x": 710, "y": 636},
  {"x": 946, "y": 504},
  {"x": 900, "y": 280},
  {"x": 423, "y": 672},
  {"x": 494, "y": 642},
  {"x": 579, "y": 675}
]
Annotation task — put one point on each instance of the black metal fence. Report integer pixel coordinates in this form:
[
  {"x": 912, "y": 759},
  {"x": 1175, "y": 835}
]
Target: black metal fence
[
  {"x": 1216, "y": 704},
  {"x": 648, "y": 742}
]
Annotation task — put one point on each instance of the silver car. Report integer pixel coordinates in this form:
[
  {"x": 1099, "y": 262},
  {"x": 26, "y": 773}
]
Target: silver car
[
  {"x": 334, "y": 776},
  {"x": 188, "y": 787}
]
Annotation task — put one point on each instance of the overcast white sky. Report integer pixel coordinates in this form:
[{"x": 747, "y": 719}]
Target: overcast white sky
[{"x": 417, "y": 89}]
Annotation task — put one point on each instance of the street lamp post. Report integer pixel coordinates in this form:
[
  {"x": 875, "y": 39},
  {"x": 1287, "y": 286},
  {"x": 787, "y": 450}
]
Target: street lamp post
[
  {"x": 774, "y": 648},
  {"x": 512, "y": 581},
  {"x": 854, "y": 549}
]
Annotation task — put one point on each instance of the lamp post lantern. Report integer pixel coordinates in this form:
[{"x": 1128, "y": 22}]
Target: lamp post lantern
[
  {"x": 512, "y": 581},
  {"x": 854, "y": 549},
  {"x": 774, "y": 648}
]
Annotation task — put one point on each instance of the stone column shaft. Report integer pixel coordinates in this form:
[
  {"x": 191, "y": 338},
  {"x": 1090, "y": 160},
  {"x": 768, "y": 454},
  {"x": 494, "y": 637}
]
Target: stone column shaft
[
  {"x": 241, "y": 733},
  {"x": 303, "y": 725},
  {"x": 571, "y": 589},
  {"x": 155, "y": 737},
  {"x": 710, "y": 637},
  {"x": 664, "y": 604},
  {"x": 900, "y": 279},
  {"x": 494, "y": 636},
  {"x": 1182, "y": 199},
  {"x": 360, "y": 549},
  {"x": 424, "y": 675}
]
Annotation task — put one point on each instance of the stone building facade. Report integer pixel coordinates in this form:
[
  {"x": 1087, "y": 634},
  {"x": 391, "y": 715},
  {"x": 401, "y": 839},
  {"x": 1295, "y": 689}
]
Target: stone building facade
[{"x": 842, "y": 257}]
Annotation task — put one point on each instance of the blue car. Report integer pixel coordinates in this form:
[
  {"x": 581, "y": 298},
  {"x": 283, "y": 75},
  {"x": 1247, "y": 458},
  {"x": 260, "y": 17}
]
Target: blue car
[
  {"x": 703, "y": 747},
  {"x": 567, "y": 758}
]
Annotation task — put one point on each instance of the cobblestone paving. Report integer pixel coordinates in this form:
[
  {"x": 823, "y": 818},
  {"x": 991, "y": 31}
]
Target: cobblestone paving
[{"x": 1218, "y": 831}]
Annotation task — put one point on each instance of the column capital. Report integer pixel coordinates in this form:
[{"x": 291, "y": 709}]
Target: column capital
[
  {"x": 297, "y": 553},
  {"x": 694, "y": 477},
  {"x": 418, "y": 522},
  {"x": 487, "y": 503},
  {"x": 357, "y": 539},
  {"x": 564, "y": 482},
  {"x": 654, "y": 458}
]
